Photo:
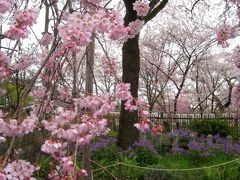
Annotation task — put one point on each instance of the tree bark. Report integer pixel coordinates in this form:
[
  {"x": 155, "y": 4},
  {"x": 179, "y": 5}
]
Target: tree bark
[
  {"x": 127, "y": 133},
  {"x": 89, "y": 89}
]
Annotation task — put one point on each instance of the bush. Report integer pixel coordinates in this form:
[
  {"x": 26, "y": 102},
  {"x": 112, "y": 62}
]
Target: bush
[
  {"x": 144, "y": 153},
  {"x": 196, "y": 157},
  {"x": 105, "y": 155},
  {"x": 210, "y": 126}
]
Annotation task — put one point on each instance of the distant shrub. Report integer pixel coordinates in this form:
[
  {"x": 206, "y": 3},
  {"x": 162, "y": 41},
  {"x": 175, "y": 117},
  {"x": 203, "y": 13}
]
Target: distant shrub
[{"x": 210, "y": 126}]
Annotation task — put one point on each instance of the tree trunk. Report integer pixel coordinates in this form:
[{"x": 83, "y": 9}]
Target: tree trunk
[
  {"x": 89, "y": 89},
  {"x": 127, "y": 133}
]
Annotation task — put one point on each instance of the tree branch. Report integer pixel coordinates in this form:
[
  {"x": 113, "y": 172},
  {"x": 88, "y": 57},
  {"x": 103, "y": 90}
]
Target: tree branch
[{"x": 155, "y": 10}]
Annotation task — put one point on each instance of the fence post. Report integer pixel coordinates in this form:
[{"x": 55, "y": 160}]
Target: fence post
[
  {"x": 175, "y": 141},
  {"x": 229, "y": 139},
  {"x": 209, "y": 139},
  {"x": 192, "y": 138}
]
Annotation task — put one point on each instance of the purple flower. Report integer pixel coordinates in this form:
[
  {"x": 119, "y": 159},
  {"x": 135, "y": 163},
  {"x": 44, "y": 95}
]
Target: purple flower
[
  {"x": 195, "y": 146},
  {"x": 177, "y": 150},
  {"x": 185, "y": 133},
  {"x": 141, "y": 144},
  {"x": 104, "y": 142},
  {"x": 219, "y": 139}
]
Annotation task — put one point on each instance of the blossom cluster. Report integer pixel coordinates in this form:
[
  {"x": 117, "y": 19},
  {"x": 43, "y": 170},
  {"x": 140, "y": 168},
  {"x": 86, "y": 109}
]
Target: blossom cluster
[
  {"x": 5, "y": 5},
  {"x": 109, "y": 66},
  {"x": 54, "y": 148},
  {"x": 24, "y": 62},
  {"x": 64, "y": 93},
  {"x": 123, "y": 93},
  {"x": 78, "y": 28},
  {"x": 18, "y": 169},
  {"x": 236, "y": 56},
  {"x": 134, "y": 28},
  {"x": 65, "y": 167},
  {"x": 224, "y": 33},
  {"x": 4, "y": 65},
  {"x": 46, "y": 39},
  {"x": 89, "y": 126},
  {"x": 23, "y": 19},
  {"x": 13, "y": 128},
  {"x": 236, "y": 95},
  {"x": 142, "y": 7}
]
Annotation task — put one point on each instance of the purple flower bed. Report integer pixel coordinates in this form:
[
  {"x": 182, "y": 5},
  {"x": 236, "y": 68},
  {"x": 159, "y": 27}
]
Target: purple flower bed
[
  {"x": 177, "y": 150},
  {"x": 140, "y": 144},
  {"x": 104, "y": 142},
  {"x": 201, "y": 144},
  {"x": 183, "y": 133}
]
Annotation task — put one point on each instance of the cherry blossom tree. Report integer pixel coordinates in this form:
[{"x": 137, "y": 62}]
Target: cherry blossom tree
[
  {"x": 51, "y": 62},
  {"x": 71, "y": 117}
]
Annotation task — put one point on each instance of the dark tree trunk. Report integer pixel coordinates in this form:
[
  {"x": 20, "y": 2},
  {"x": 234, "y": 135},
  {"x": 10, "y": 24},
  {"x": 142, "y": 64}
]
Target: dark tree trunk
[
  {"x": 127, "y": 133},
  {"x": 89, "y": 89}
]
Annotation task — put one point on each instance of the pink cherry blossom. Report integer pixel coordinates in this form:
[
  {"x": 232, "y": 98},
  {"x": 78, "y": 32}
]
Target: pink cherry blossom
[
  {"x": 4, "y": 65},
  {"x": 142, "y": 7},
  {"x": 77, "y": 31},
  {"x": 143, "y": 126},
  {"x": 19, "y": 169},
  {"x": 224, "y": 33},
  {"x": 83, "y": 172},
  {"x": 109, "y": 66},
  {"x": 123, "y": 92},
  {"x": 27, "y": 17},
  {"x": 134, "y": 28},
  {"x": 54, "y": 148},
  {"x": 236, "y": 56},
  {"x": 3, "y": 176},
  {"x": 24, "y": 62},
  {"x": 16, "y": 32},
  {"x": 23, "y": 19},
  {"x": 67, "y": 165},
  {"x": 130, "y": 105},
  {"x": 13, "y": 128},
  {"x": 5, "y": 5},
  {"x": 236, "y": 95},
  {"x": 118, "y": 32},
  {"x": 64, "y": 93},
  {"x": 103, "y": 25},
  {"x": 46, "y": 39},
  {"x": 39, "y": 92}
]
